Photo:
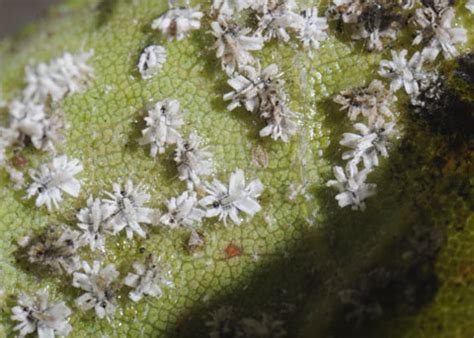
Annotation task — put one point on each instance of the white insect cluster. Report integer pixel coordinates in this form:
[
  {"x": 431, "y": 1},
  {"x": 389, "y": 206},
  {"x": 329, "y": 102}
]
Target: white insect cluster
[
  {"x": 183, "y": 211},
  {"x": 30, "y": 122},
  {"x": 35, "y": 116},
  {"x": 64, "y": 75},
  {"x": 374, "y": 22},
  {"x": 163, "y": 122},
  {"x": 436, "y": 31},
  {"x": 261, "y": 91},
  {"x": 148, "y": 279},
  {"x": 280, "y": 120},
  {"x": 313, "y": 29},
  {"x": 128, "y": 210},
  {"x": 369, "y": 143},
  {"x": 177, "y": 23},
  {"x": 233, "y": 44},
  {"x": 193, "y": 161},
  {"x": 98, "y": 284},
  {"x": 151, "y": 61},
  {"x": 347, "y": 11},
  {"x": 227, "y": 201},
  {"x": 402, "y": 72},
  {"x": 229, "y": 7},
  {"x": 353, "y": 189},
  {"x": 278, "y": 18},
  {"x": 367, "y": 102},
  {"x": 53, "y": 179},
  {"x": 253, "y": 87},
  {"x": 470, "y": 6},
  {"x": 95, "y": 223},
  {"x": 7, "y": 139},
  {"x": 372, "y": 140},
  {"x": 37, "y": 314}
]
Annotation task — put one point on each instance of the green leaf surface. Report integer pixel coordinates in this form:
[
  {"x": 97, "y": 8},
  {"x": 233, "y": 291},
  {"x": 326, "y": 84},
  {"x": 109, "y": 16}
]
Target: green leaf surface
[{"x": 296, "y": 255}]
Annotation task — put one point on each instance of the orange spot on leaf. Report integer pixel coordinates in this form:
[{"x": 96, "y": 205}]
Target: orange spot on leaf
[{"x": 233, "y": 251}]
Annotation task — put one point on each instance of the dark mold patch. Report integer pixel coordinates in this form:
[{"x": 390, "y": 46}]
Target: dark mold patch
[
  {"x": 465, "y": 69},
  {"x": 448, "y": 105},
  {"x": 50, "y": 253},
  {"x": 380, "y": 16}
]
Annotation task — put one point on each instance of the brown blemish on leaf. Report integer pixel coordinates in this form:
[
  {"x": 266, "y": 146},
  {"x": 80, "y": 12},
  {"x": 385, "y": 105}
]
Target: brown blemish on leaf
[{"x": 233, "y": 251}]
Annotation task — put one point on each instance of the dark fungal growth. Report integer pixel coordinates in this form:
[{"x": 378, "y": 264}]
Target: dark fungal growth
[
  {"x": 380, "y": 15},
  {"x": 465, "y": 71},
  {"x": 56, "y": 249},
  {"x": 447, "y": 104},
  {"x": 377, "y": 22}
]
